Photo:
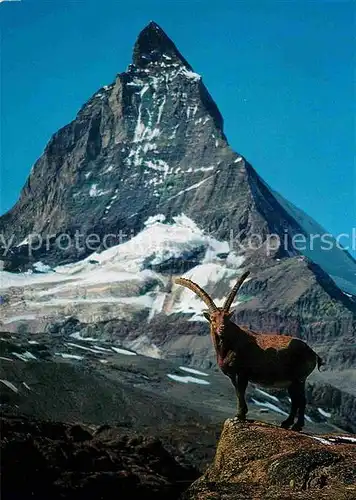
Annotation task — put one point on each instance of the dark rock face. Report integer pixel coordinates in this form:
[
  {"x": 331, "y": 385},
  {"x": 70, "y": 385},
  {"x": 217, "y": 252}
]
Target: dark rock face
[{"x": 54, "y": 460}]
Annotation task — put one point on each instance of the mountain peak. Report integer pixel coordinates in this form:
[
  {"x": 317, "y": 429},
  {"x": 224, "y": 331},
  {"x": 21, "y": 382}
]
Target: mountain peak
[{"x": 152, "y": 44}]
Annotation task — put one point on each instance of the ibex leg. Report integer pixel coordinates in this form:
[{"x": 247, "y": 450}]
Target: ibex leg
[
  {"x": 293, "y": 394},
  {"x": 298, "y": 426},
  {"x": 240, "y": 385}
]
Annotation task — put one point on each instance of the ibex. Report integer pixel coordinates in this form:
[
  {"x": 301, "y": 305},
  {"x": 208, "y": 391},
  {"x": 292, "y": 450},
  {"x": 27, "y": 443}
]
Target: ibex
[{"x": 269, "y": 360}]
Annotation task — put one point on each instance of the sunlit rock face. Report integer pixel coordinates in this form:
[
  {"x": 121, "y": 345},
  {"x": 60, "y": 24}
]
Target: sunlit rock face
[{"x": 255, "y": 460}]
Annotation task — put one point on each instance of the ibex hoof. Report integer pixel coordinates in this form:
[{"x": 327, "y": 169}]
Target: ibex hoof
[
  {"x": 297, "y": 427},
  {"x": 286, "y": 424}
]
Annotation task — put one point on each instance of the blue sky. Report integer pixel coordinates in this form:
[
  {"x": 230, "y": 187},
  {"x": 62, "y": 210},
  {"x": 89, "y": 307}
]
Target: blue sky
[{"x": 281, "y": 72}]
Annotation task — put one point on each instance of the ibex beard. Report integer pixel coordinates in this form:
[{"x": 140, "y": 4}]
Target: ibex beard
[{"x": 270, "y": 360}]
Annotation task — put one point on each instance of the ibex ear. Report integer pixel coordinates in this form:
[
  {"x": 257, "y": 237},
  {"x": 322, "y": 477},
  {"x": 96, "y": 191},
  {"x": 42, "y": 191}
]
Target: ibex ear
[{"x": 206, "y": 315}]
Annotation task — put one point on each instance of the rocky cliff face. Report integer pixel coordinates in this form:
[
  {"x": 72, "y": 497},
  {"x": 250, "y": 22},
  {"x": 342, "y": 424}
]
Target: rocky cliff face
[{"x": 141, "y": 152}]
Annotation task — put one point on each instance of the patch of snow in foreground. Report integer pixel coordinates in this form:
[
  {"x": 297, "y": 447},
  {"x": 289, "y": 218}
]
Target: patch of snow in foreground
[
  {"x": 6, "y": 359},
  {"x": 24, "y": 356},
  {"x": 98, "y": 348},
  {"x": 33, "y": 342},
  {"x": 270, "y": 406},
  {"x": 27, "y": 386},
  {"x": 78, "y": 346},
  {"x": 69, "y": 356},
  {"x": 345, "y": 438},
  {"x": 322, "y": 440},
  {"x": 123, "y": 351},
  {"x": 324, "y": 413},
  {"x": 9, "y": 385},
  {"x": 187, "y": 378},
  {"x": 191, "y": 370},
  {"x": 267, "y": 395},
  {"x": 77, "y": 336}
]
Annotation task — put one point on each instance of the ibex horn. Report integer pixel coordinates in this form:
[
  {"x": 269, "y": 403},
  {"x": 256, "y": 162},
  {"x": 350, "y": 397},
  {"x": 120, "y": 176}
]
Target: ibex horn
[
  {"x": 234, "y": 291},
  {"x": 199, "y": 291}
]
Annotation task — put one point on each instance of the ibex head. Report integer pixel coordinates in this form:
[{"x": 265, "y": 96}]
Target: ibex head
[{"x": 217, "y": 316}]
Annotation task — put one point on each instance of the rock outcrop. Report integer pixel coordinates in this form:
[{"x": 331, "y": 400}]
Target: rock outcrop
[
  {"x": 41, "y": 459},
  {"x": 257, "y": 461}
]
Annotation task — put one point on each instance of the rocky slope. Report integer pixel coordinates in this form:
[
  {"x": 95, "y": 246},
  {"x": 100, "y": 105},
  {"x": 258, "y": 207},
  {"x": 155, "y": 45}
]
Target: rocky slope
[
  {"x": 257, "y": 461},
  {"x": 146, "y": 158},
  {"x": 64, "y": 377}
]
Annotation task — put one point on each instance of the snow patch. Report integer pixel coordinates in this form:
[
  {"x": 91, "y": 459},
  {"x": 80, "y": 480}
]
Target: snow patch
[
  {"x": 78, "y": 346},
  {"x": 186, "y": 379},
  {"x": 123, "y": 351},
  {"x": 269, "y": 405},
  {"x": 274, "y": 398},
  {"x": 10, "y": 385},
  {"x": 320, "y": 439},
  {"x": 234, "y": 260},
  {"x": 153, "y": 219},
  {"x": 345, "y": 438},
  {"x": 192, "y": 370},
  {"x": 77, "y": 336},
  {"x": 94, "y": 192},
  {"x": 41, "y": 268},
  {"x": 191, "y": 75},
  {"x": 190, "y": 188},
  {"x": 324, "y": 413},
  {"x": 68, "y": 356},
  {"x": 24, "y": 356}
]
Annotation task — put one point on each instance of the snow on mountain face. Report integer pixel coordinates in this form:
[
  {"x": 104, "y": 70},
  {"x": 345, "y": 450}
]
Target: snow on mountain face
[
  {"x": 155, "y": 131},
  {"x": 103, "y": 278}
]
